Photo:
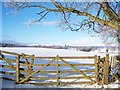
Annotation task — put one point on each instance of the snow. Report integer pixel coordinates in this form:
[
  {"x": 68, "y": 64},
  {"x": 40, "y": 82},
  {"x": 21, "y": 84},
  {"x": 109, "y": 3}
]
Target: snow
[
  {"x": 11, "y": 84},
  {"x": 110, "y": 50},
  {"x": 51, "y": 52},
  {"x": 55, "y": 52}
]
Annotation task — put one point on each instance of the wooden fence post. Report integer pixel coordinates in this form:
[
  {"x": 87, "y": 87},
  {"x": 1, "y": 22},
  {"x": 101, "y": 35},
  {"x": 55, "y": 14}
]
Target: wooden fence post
[
  {"x": 96, "y": 69},
  {"x": 31, "y": 63},
  {"x": 99, "y": 82},
  {"x": 101, "y": 70},
  {"x": 17, "y": 69},
  {"x": 106, "y": 69},
  {"x": 57, "y": 75},
  {"x": 114, "y": 60}
]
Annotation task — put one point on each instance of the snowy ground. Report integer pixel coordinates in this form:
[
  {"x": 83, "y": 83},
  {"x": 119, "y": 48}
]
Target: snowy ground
[
  {"x": 11, "y": 84},
  {"x": 55, "y": 52}
]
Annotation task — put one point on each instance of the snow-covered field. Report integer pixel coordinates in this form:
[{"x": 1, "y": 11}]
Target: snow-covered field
[{"x": 55, "y": 52}]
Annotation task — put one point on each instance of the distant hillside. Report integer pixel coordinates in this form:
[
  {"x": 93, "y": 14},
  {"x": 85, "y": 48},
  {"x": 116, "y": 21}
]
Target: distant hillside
[
  {"x": 11, "y": 45},
  {"x": 9, "y": 42}
]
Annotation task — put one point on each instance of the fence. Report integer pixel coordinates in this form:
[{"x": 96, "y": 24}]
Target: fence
[{"x": 25, "y": 70}]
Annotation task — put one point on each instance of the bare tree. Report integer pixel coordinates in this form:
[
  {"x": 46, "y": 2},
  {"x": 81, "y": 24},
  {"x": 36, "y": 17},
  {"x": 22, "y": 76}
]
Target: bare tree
[{"x": 96, "y": 17}]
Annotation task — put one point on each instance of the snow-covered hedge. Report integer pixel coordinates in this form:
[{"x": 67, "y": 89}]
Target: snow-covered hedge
[{"x": 116, "y": 68}]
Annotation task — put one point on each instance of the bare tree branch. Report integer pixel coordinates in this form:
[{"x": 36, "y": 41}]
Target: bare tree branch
[
  {"x": 98, "y": 17},
  {"x": 110, "y": 12}
]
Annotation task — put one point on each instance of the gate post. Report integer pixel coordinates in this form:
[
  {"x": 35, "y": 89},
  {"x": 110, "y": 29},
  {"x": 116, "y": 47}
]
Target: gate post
[
  {"x": 100, "y": 70},
  {"x": 106, "y": 70},
  {"x": 31, "y": 63},
  {"x": 96, "y": 69},
  {"x": 17, "y": 69},
  {"x": 99, "y": 73},
  {"x": 57, "y": 72}
]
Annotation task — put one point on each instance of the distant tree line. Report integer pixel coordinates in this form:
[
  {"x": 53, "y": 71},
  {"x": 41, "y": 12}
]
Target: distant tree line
[{"x": 78, "y": 48}]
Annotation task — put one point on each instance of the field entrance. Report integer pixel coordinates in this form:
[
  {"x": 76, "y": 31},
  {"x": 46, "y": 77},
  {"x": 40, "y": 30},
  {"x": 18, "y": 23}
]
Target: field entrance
[{"x": 58, "y": 70}]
